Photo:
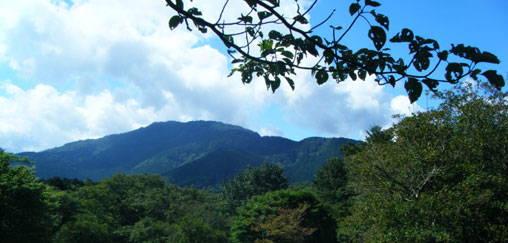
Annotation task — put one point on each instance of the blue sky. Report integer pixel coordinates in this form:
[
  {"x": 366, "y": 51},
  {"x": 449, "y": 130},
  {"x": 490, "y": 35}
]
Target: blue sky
[{"x": 73, "y": 70}]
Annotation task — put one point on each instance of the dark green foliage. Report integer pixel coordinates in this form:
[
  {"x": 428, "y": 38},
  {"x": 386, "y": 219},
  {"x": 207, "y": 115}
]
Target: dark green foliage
[
  {"x": 442, "y": 178},
  {"x": 24, "y": 211},
  {"x": 283, "y": 50},
  {"x": 139, "y": 208},
  {"x": 330, "y": 186},
  {"x": 264, "y": 218},
  {"x": 64, "y": 183},
  {"x": 253, "y": 181}
]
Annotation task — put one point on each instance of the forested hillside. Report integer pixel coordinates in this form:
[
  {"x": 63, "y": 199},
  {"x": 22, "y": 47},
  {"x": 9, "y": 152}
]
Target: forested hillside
[{"x": 203, "y": 153}]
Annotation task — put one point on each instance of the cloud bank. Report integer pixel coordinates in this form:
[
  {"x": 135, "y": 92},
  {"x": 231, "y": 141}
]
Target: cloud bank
[{"x": 98, "y": 67}]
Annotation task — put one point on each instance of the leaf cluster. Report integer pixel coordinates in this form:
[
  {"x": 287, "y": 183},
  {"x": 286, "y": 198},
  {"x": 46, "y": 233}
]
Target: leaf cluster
[{"x": 281, "y": 53}]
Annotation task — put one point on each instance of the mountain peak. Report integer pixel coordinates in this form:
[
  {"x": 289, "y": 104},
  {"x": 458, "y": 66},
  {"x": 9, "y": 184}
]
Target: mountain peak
[{"x": 162, "y": 147}]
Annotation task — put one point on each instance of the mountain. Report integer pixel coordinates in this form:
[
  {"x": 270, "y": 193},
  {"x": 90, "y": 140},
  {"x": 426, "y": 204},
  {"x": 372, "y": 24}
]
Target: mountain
[{"x": 201, "y": 153}]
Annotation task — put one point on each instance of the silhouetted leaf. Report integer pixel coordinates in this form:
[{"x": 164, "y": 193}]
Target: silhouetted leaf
[
  {"x": 179, "y": 4},
  {"x": 287, "y": 54},
  {"x": 378, "y": 36},
  {"x": 414, "y": 89},
  {"x": 353, "y": 8},
  {"x": 391, "y": 80},
  {"x": 175, "y": 21},
  {"x": 372, "y": 3},
  {"x": 495, "y": 79},
  {"x": 245, "y": 19},
  {"x": 406, "y": 35},
  {"x": 383, "y": 21},
  {"x": 431, "y": 83},
  {"x": 488, "y": 57},
  {"x": 264, "y": 14},
  {"x": 321, "y": 76},
  {"x": 275, "y": 35},
  {"x": 454, "y": 69},
  {"x": 362, "y": 74},
  {"x": 443, "y": 55},
  {"x": 301, "y": 19},
  {"x": 290, "y": 82},
  {"x": 352, "y": 75}
]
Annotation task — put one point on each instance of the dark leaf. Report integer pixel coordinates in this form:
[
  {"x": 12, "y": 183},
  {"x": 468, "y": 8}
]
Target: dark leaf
[
  {"x": 301, "y": 19},
  {"x": 495, "y": 79},
  {"x": 287, "y": 54},
  {"x": 353, "y": 8},
  {"x": 372, "y": 3},
  {"x": 454, "y": 71},
  {"x": 378, "y": 36},
  {"x": 246, "y": 19},
  {"x": 195, "y": 11},
  {"x": 311, "y": 48},
  {"x": 250, "y": 31},
  {"x": 391, "y": 80},
  {"x": 443, "y": 55},
  {"x": 203, "y": 30},
  {"x": 237, "y": 61},
  {"x": 406, "y": 35},
  {"x": 383, "y": 21},
  {"x": 290, "y": 82},
  {"x": 251, "y": 3},
  {"x": 422, "y": 61},
  {"x": 264, "y": 14},
  {"x": 474, "y": 74},
  {"x": 228, "y": 40},
  {"x": 175, "y": 21},
  {"x": 275, "y": 84},
  {"x": 246, "y": 76},
  {"x": 352, "y": 75},
  {"x": 362, "y": 74},
  {"x": 414, "y": 89},
  {"x": 467, "y": 52},
  {"x": 431, "y": 83},
  {"x": 179, "y": 4},
  {"x": 321, "y": 76},
  {"x": 488, "y": 57},
  {"x": 275, "y": 35}
]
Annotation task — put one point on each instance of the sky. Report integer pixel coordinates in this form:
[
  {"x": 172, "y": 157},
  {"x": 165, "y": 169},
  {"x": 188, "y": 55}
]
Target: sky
[{"x": 72, "y": 70}]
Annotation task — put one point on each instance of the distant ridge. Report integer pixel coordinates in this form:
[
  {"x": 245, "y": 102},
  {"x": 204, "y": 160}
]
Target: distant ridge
[{"x": 201, "y": 153}]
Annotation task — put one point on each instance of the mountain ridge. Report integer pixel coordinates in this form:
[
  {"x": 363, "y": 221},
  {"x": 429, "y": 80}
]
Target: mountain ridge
[{"x": 168, "y": 148}]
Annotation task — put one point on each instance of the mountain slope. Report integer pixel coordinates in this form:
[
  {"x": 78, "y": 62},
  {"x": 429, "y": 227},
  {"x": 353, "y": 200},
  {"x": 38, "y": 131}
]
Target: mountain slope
[{"x": 202, "y": 153}]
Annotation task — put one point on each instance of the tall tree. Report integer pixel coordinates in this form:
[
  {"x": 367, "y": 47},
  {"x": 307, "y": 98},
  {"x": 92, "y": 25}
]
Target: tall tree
[
  {"x": 24, "y": 211},
  {"x": 283, "y": 216},
  {"x": 442, "y": 178},
  {"x": 284, "y": 41},
  {"x": 253, "y": 181}
]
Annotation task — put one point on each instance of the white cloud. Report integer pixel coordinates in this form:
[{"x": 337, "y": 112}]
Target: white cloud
[
  {"x": 401, "y": 105},
  {"x": 107, "y": 66},
  {"x": 42, "y": 117},
  {"x": 270, "y": 131}
]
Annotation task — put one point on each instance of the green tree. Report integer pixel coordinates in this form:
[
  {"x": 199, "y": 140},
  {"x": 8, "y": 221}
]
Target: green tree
[
  {"x": 253, "y": 181},
  {"x": 283, "y": 216},
  {"x": 330, "y": 186},
  {"x": 443, "y": 177},
  {"x": 138, "y": 208},
  {"x": 281, "y": 52},
  {"x": 24, "y": 211}
]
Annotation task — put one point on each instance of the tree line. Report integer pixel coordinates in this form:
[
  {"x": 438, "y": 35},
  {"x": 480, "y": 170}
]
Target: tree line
[{"x": 437, "y": 176}]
